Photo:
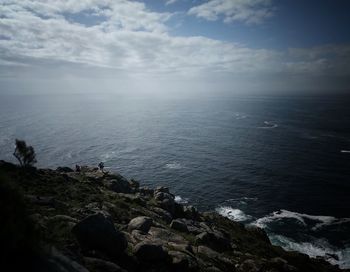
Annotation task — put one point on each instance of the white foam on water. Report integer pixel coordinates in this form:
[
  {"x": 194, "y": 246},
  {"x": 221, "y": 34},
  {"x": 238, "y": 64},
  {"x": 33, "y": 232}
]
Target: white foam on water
[
  {"x": 232, "y": 214},
  {"x": 108, "y": 155},
  {"x": 269, "y": 125},
  {"x": 173, "y": 165},
  {"x": 318, "y": 247},
  {"x": 69, "y": 155},
  {"x": 240, "y": 116},
  {"x": 300, "y": 217},
  {"x": 180, "y": 200}
]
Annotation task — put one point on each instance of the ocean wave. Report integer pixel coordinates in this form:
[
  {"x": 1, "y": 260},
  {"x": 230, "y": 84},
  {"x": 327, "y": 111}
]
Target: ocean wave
[
  {"x": 240, "y": 116},
  {"x": 317, "y": 247},
  {"x": 180, "y": 200},
  {"x": 269, "y": 124},
  {"x": 232, "y": 214},
  {"x": 174, "y": 165},
  {"x": 320, "y": 220},
  {"x": 344, "y": 151},
  {"x": 108, "y": 155}
]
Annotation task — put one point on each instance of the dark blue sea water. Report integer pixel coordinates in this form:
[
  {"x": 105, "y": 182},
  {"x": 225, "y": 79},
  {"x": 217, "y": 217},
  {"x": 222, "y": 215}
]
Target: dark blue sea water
[{"x": 281, "y": 163}]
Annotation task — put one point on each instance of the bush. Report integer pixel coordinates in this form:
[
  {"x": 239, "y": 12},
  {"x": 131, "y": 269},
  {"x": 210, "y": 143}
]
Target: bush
[{"x": 24, "y": 154}]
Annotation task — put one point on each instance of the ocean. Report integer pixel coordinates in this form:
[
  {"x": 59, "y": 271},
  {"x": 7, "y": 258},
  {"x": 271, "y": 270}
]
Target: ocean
[{"x": 277, "y": 162}]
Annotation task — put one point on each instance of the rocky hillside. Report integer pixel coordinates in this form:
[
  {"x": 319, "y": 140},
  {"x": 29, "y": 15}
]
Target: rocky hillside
[{"x": 67, "y": 221}]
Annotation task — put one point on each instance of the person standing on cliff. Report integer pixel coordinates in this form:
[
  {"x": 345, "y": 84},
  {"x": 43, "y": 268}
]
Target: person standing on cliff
[{"x": 101, "y": 166}]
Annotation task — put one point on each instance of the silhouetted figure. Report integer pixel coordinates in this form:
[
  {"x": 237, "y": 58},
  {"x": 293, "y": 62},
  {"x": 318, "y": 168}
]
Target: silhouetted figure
[
  {"x": 77, "y": 168},
  {"x": 24, "y": 154},
  {"x": 101, "y": 165}
]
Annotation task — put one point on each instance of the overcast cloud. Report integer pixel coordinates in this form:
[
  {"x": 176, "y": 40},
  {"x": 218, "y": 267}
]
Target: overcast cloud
[{"x": 120, "y": 41}]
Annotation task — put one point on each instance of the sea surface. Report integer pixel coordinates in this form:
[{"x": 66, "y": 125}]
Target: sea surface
[{"x": 280, "y": 163}]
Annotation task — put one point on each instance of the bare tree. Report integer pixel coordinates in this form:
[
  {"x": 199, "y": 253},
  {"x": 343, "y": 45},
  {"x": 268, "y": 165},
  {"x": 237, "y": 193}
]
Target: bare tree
[{"x": 24, "y": 154}]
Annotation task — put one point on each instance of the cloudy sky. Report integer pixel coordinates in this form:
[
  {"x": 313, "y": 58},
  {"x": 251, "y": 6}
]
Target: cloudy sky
[{"x": 174, "y": 46}]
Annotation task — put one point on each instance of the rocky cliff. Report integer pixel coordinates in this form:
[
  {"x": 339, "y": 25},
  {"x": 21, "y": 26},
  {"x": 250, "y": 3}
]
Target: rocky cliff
[{"x": 63, "y": 220}]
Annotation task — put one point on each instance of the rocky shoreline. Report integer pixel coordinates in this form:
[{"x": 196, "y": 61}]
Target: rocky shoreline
[{"x": 63, "y": 220}]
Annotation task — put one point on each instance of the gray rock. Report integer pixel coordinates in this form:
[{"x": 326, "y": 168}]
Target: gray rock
[
  {"x": 178, "y": 225},
  {"x": 150, "y": 252},
  {"x": 96, "y": 232},
  {"x": 259, "y": 233},
  {"x": 118, "y": 186},
  {"x": 165, "y": 201},
  {"x": 281, "y": 265},
  {"x": 160, "y": 196},
  {"x": 213, "y": 240},
  {"x": 58, "y": 262},
  {"x": 166, "y": 236},
  {"x": 278, "y": 261},
  {"x": 100, "y": 265},
  {"x": 168, "y": 204},
  {"x": 208, "y": 252},
  {"x": 163, "y": 214},
  {"x": 64, "y": 169},
  {"x": 190, "y": 212},
  {"x": 135, "y": 185},
  {"x": 142, "y": 223},
  {"x": 145, "y": 191},
  {"x": 61, "y": 217},
  {"x": 249, "y": 265},
  {"x": 180, "y": 261},
  {"x": 162, "y": 189}
]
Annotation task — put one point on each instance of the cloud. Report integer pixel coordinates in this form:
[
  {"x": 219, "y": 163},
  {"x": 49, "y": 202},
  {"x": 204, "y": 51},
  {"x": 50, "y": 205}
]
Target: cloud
[
  {"x": 245, "y": 11},
  {"x": 35, "y": 30},
  {"x": 124, "y": 39}
]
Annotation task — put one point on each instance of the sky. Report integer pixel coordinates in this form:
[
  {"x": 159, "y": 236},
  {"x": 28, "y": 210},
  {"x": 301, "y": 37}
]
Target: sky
[{"x": 174, "y": 46}]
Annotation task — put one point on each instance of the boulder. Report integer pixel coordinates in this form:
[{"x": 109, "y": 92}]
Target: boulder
[
  {"x": 258, "y": 232},
  {"x": 118, "y": 186},
  {"x": 178, "y": 225},
  {"x": 195, "y": 227},
  {"x": 64, "y": 169},
  {"x": 145, "y": 191},
  {"x": 168, "y": 204},
  {"x": 56, "y": 261},
  {"x": 281, "y": 265},
  {"x": 180, "y": 261},
  {"x": 166, "y": 236},
  {"x": 249, "y": 265},
  {"x": 163, "y": 214},
  {"x": 190, "y": 212},
  {"x": 135, "y": 185},
  {"x": 142, "y": 223},
  {"x": 165, "y": 200},
  {"x": 96, "y": 232},
  {"x": 150, "y": 252},
  {"x": 162, "y": 189},
  {"x": 207, "y": 252},
  {"x": 214, "y": 240},
  {"x": 100, "y": 265}
]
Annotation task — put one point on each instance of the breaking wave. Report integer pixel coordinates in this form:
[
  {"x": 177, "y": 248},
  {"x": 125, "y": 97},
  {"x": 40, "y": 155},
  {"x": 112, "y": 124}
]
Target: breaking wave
[
  {"x": 319, "y": 221},
  {"x": 173, "y": 165},
  {"x": 318, "y": 247},
  {"x": 310, "y": 245},
  {"x": 269, "y": 124},
  {"x": 240, "y": 116},
  {"x": 232, "y": 214},
  {"x": 109, "y": 155},
  {"x": 180, "y": 200}
]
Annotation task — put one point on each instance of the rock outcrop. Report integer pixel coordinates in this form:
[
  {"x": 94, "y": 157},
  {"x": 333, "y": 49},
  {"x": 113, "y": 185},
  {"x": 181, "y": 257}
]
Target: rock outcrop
[{"x": 63, "y": 220}]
